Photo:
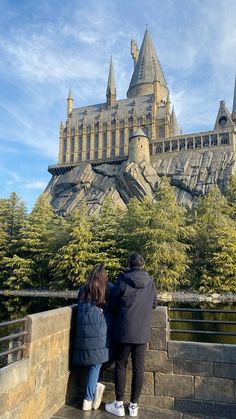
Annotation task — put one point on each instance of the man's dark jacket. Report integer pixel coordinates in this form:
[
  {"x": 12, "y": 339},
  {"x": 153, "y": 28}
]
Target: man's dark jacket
[{"x": 133, "y": 298}]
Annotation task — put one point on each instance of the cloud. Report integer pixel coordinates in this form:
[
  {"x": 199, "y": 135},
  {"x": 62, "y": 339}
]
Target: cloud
[{"x": 36, "y": 184}]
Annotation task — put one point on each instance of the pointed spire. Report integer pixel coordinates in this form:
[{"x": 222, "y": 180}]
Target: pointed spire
[
  {"x": 174, "y": 126},
  {"x": 234, "y": 103},
  {"x": 223, "y": 119},
  {"x": 111, "y": 86},
  {"x": 147, "y": 69},
  {"x": 69, "y": 103}
]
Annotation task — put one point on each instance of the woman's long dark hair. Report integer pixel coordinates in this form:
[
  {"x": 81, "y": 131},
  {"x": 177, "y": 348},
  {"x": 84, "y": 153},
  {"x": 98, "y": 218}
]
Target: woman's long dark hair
[{"x": 95, "y": 287}]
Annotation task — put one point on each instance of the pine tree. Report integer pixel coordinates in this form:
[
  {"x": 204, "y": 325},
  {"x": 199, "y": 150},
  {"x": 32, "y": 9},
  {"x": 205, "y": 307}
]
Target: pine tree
[
  {"x": 214, "y": 245},
  {"x": 231, "y": 196},
  {"x": 156, "y": 229},
  {"x": 105, "y": 230},
  {"x": 73, "y": 262},
  {"x": 40, "y": 239}
]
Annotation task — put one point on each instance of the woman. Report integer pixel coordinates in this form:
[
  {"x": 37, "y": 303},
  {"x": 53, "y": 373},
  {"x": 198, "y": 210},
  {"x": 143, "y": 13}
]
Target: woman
[{"x": 91, "y": 338}]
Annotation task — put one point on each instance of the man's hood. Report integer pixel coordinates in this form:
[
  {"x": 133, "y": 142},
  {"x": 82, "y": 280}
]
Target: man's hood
[{"x": 135, "y": 278}]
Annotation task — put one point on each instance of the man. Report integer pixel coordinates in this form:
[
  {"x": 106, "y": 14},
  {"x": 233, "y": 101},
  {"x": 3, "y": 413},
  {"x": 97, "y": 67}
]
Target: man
[{"x": 133, "y": 298}]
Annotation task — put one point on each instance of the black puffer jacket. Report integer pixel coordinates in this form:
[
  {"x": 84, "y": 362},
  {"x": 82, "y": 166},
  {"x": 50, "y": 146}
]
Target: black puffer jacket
[{"x": 133, "y": 298}]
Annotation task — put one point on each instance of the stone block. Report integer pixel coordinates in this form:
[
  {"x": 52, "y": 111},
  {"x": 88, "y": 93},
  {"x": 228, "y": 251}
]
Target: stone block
[
  {"x": 14, "y": 375},
  {"x": 35, "y": 406},
  {"x": 39, "y": 352},
  {"x": 214, "y": 389},
  {"x": 230, "y": 354},
  {"x": 55, "y": 345},
  {"x": 158, "y": 339},
  {"x": 196, "y": 351},
  {"x": 204, "y": 369},
  {"x": 48, "y": 323},
  {"x": 225, "y": 410},
  {"x": 153, "y": 402},
  {"x": 56, "y": 391},
  {"x": 19, "y": 394},
  {"x": 3, "y": 403},
  {"x": 158, "y": 361},
  {"x": 195, "y": 406},
  {"x": 148, "y": 384},
  {"x": 225, "y": 371},
  {"x": 172, "y": 385},
  {"x": 160, "y": 317},
  {"x": 66, "y": 340},
  {"x": 62, "y": 364}
]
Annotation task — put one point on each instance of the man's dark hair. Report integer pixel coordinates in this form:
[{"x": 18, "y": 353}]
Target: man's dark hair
[{"x": 136, "y": 261}]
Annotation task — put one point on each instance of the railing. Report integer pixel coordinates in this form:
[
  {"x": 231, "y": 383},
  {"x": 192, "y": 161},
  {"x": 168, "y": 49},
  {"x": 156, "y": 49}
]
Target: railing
[
  {"x": 12, "y": 344},
  {"x": 207, "y": 327}
]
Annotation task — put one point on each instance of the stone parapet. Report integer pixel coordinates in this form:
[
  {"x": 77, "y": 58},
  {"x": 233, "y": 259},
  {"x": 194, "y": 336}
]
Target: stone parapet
[{"x": 189, "y": 379}]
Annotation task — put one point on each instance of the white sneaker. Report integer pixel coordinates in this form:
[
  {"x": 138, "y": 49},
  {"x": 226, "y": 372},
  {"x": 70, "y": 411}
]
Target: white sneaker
[
  {"x": 116, "y": 408},
  {"x": 98, "y": 395},
  {"x": 87, "y": 404},
  {"x": 133, "y": 409}
]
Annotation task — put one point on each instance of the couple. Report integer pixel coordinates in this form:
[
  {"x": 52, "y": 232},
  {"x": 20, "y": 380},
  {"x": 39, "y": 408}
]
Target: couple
[{"x": 121, "y": 312}]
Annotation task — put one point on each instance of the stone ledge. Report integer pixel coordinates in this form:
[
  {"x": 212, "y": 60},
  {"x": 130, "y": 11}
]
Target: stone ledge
[
  {"x": 14, "y": 375},
  {"x": 48, "y": 323},
  {"x": 195, "y": 351},
  {"x": 214, "y": 389},
  {"x": 203, "y": 369}
]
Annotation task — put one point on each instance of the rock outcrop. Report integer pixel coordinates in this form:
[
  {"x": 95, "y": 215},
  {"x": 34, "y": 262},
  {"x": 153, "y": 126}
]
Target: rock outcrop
[{"x": 192, "y": 174}]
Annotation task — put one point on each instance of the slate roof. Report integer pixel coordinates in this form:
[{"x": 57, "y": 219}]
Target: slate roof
[{"x": 148, "y": 67}]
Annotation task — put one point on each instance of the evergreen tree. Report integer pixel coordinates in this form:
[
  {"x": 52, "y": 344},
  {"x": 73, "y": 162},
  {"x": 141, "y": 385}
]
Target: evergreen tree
[
  {"x": 214, "y": 245},
  {"x": 231, "y": 196},
  {"x": 105, "y": 230},
  {"x": 73, "y": 262},
  {"x": 44, "y": 233},
  {"x": 156, "y": 229}
]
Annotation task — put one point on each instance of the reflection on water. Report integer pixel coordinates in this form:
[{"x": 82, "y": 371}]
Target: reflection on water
[
  {"x": 15, "y": 307},
  {"x": 205, "y": 326}
]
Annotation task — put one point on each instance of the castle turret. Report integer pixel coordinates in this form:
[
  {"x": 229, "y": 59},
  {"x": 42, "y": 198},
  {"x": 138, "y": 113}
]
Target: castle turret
[
  {"x": 111, "y": 86},
  {"x": 234, "y": 104},
  {"x": 69, "y": 103},
  {"x": 139, "y": 147},
  {"x": 147, "y": 69}
]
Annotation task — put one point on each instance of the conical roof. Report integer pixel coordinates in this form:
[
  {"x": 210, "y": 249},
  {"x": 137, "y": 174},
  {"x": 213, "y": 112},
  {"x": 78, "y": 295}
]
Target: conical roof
[
  {"x": 174, "y": 124},
  {"x": 111, "y": 84},
  {"x": 148, "y": 67},
  {"x": 139, "y": 133}
]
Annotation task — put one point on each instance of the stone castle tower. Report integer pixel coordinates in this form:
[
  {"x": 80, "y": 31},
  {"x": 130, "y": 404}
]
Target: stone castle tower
[{"x": 124, "y": 147}]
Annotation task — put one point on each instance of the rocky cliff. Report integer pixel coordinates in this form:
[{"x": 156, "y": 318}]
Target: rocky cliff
[{"x": 191, "y": 173}]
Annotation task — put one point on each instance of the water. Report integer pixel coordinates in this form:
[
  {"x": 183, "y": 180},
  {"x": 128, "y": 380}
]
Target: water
[{"x": 15, "y": 307}]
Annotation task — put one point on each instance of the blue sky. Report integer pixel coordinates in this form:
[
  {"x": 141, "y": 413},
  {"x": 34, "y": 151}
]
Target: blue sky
[{"x": 48, "y": 46}]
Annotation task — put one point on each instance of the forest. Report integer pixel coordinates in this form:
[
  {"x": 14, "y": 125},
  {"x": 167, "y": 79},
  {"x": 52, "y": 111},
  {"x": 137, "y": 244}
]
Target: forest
[{"x": 191, "y": 249}]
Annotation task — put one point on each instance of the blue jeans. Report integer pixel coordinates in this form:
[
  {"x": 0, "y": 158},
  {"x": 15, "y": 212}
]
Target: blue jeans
[{"x": 92, "y": 379}]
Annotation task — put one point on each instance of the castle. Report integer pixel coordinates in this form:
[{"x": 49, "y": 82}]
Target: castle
[{"x": 105, "y": 133}]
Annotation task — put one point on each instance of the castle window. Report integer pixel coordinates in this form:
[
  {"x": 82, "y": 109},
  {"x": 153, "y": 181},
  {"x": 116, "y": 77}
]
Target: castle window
[
  {"x": 159, "y": 148},
  {"x": 174, "y": 145},
  {"x": 113, "y": 139},
  {"x": 96, "y": 142},
  {"x": 122, "y": 138},
  {"x": 189, "y": 143},
  {"x": 130, "y": 132},
  {"x": 64, "y": 146},
  {"x": 161, "y": 132},
  {"x": 224, "y": 138},
  {"x": 80, "y": 156},
  {"x": 113, "y": 152},
  {"x": 64, "y": 158},
  {"x": 182, "y": 144},
  {"x": 205, "y": 140},
  {"x": 167, "y": 146},
  {"x": 88, "y": 147},
  {"x": 96, "y": 155},
  {"x": 80, "y": 142},
  {"x": 197, "y": 142},
  {"x": 72, "y": 158},
  {"x": 72, "y": 145},
  {"x": 213, "y": 140}
]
